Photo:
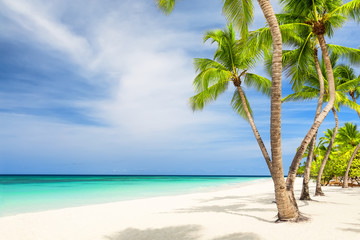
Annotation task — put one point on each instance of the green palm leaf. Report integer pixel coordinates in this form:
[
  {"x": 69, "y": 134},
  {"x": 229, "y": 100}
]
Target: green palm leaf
[
  {"x": 350, "y": 9},
  {"x": 350, "y": 84},
  {"x": 240, "y": 13},
  {"x": 351, "y": 54},
  {"x": 165, "y": 5},
  {"x": 260, "y": 83},
  {"x": 306, "y": 94},
  {"x": 210, "y": 73},
  {"x": 208, "y": 95},
  {"x": 344, "y": 101},
  {"x": 238, "y": 106}
]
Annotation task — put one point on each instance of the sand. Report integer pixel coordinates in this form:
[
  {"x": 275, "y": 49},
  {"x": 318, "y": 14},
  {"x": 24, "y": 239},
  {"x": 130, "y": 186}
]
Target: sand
[{"x": 238, "y": 212}]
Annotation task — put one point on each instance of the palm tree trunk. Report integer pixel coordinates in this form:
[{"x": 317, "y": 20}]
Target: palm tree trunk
[
  {"x": 318, "y": 191},
  {"x": 345, "y": 183},
  {"x": 287, "y": 209},
  {"x": 301, "y": 150},
  {"x": 255, "y": 131},
  {"x": 305, "y": 194}
]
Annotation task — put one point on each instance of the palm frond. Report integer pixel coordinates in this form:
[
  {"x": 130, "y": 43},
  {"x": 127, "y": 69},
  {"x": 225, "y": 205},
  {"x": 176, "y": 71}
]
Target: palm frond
[
  {"x": 346, "y": 86},
  {"x": 334, "y": 22},
  {"x": 306, "y": 94},
  {"x": 260, "y": 83},
  {"x": 350, "y": 9},
  {"x": 240, "y": 13},
  {"x": 344, "y": 101},
  {"x": 344, "y": 72},
  {"x": 210, "y": 72},
  {"x": 214, "y": 35},
  {"x": 296, "y": 63},
  {"x": 202, "y": 64},
  {"x": 238, "y": 105},
  {"x": 165, "y": 5},
  {"x": 351, "y": 54},
  {"x": 208, "y": 95}
]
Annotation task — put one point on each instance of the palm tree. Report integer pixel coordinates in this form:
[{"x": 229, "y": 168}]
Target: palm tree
[
  {"x": 347, "y": 73},
  {"x": 311, "y": 90},
  {"x": 241, "y": 14},
  {"x": 349, "y": 136},
  {"x": 230, "y": 64},
  {"x": 322, "y": 17}
]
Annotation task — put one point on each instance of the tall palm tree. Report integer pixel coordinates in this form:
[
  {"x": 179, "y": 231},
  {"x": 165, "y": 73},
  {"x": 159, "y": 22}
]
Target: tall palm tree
[
  {"x": 231, "y": 62},
  {"x": 350, "y": 136},
  {"x": 240, "y": 12},
  {"x": 322, "y": 17}
]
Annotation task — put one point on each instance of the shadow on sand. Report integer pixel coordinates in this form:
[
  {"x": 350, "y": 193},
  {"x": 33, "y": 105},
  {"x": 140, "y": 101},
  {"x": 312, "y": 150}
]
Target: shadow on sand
[
  {"x": 354, "y": 227},
  {"x": 242, "y": 207},
  {"x": 185, "y": 232}
]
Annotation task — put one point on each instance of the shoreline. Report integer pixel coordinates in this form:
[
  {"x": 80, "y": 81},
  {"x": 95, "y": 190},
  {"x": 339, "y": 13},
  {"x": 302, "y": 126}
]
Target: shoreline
[
  {"x": 193, "y": 189},
  {"x": 244, "y": 211}
]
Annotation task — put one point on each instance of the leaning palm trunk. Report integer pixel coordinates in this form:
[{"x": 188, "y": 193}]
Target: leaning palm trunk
[
  {"x": 301, "y": 150},
  {"x": 345, "y": 183},
  {"x": 253, "y": 127},
  {"x": 287, "y": 209},
  {"x": 305, "y": 194},
  {"x": 318, "y": 191}
]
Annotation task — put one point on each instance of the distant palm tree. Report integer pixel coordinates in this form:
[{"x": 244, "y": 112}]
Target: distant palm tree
[
  {"x": 349, "y": 135},
  {"x": 231, "y": 62},
  {"x": 347, "y": 73}
]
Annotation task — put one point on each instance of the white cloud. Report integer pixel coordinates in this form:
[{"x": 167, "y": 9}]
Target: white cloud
[
  {"x": 38, "y": 24},
  {"x": 147, "y": 71}
]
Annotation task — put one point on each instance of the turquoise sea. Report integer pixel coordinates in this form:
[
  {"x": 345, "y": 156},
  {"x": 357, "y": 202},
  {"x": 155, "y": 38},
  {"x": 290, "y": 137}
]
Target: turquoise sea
[{"x": 31, "y": 193}]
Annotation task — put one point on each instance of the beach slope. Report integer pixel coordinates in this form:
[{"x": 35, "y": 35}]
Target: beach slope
[{"x": 238, "y": 212}]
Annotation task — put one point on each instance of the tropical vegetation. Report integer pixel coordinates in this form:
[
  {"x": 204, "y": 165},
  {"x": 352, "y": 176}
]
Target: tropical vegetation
[{"x": 344, "y": 147}]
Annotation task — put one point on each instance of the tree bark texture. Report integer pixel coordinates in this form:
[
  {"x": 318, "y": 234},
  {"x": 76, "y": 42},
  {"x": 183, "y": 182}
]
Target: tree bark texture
[
  {"x": 254, "y": 129},
  {"x": 305, "y": 194},
  {"x": 346, "y": 177},
  {"x": 287, "y": 209},
  {"x": 318, "y": 191},
  {"x": 304, "y": 144}
]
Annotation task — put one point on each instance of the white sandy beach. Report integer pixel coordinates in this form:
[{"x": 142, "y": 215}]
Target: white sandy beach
[{"x": 241, "y": 212}]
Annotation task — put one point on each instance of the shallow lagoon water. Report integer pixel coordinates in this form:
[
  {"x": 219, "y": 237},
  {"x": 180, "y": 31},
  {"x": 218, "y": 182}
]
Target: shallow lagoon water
[{"x": 30, "y": 193}]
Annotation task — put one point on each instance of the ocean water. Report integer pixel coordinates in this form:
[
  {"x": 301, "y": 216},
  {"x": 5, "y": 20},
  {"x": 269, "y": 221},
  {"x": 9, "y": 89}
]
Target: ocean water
[{"x": 30, "y": 193}]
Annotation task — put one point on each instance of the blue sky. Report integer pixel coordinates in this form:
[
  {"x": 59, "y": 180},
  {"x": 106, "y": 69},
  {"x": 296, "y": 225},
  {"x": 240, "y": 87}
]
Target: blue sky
[{"x": 101, "y": 87}]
